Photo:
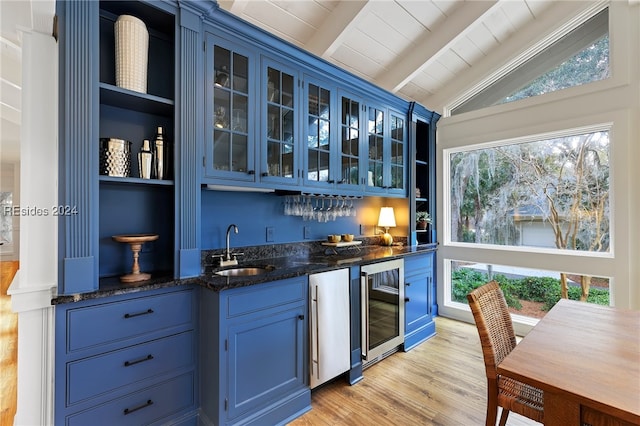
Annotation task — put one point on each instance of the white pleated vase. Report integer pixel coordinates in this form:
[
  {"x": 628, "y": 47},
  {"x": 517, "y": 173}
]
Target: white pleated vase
[{"x": 132, "y": 49}]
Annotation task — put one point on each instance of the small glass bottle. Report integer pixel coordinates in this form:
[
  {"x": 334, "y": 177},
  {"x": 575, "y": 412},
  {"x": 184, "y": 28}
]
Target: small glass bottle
[
  {"x": 145, "y": 160},
  {"x": 158, "y": 155}
]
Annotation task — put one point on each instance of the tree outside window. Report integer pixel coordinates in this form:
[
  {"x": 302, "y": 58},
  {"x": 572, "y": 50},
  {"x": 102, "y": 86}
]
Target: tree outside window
[{"x": 551, "y": 193}]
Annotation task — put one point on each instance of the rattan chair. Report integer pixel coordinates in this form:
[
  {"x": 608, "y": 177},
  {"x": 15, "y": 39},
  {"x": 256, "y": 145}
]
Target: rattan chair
[{"x": 497, "y": 337}]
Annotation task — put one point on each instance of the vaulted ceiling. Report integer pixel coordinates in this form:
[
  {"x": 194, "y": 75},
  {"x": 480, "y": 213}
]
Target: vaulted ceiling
[
  {"x": 413, "y": 48},
  {"x": 421, "y": 50}
]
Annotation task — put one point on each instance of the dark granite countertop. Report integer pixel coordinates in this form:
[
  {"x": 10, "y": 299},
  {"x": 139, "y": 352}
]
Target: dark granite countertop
[
  {"x": 295, "y": 266},
  {"x": 281, "y": 267}
]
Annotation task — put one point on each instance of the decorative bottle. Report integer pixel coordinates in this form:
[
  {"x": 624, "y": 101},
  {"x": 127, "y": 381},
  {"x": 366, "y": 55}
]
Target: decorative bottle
[
  {"x": 159, "y": 155},
  {"x": 145, "y": 160}
]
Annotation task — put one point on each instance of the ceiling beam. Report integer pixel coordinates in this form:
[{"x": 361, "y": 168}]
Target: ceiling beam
[
  {"x": 428, "y": 47},
  {"x": 554, "y": 17},
  {"x": 336, "y": 27}
]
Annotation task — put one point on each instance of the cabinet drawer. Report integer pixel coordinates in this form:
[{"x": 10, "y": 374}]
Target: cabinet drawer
[
  {"x": 417, "y": 264},
  {"x": 265, "y": 296},
  {"x": 97, "y": 375},
  {"x": 142, "y": 407},
  {"x": 100, "y": 324}
]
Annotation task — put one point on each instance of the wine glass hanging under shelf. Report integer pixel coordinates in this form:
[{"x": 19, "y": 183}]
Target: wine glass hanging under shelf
[{"x": 321, "y": 208}]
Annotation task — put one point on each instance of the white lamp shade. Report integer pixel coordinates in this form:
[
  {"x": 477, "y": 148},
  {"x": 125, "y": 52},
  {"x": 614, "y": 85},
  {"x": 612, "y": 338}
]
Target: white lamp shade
[{"x": 387, "y": 218}]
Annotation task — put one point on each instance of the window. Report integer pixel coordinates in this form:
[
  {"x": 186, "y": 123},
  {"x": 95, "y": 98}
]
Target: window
[
  {"x": 551, "y": 193},
  {"x": 528, "y": 292},
  {"x": 6, "y": 217},
  {"x": 581, "y": 56}
]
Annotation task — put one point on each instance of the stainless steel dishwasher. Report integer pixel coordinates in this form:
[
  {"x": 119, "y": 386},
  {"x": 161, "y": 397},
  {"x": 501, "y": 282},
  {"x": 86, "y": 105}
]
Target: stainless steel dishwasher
[{"x": 330, "y": 336}]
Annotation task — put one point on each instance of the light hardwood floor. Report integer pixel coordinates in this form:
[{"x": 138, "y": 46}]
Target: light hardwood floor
[
  {"x": 440, "y": 382},
  {"x": 8, "y": 346}
]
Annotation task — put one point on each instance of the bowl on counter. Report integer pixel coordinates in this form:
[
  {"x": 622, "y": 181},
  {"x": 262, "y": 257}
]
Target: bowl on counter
[
  {"x": 347, "y": 237},
  {"x": 333, "y": 238}
]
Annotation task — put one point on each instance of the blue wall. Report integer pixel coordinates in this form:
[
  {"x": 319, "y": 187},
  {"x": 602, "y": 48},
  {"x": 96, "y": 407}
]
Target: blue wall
[{"x": 253, "y": 212}]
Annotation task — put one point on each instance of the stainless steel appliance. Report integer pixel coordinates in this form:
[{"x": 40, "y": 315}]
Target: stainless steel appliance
[
  {"x": 382, "y": 293},
  {"x": 330, "y": 336}
]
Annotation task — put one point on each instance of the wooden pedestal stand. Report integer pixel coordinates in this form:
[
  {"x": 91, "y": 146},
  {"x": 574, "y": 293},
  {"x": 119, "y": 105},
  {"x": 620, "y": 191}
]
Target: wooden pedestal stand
[{"x": 135, "y": 241}]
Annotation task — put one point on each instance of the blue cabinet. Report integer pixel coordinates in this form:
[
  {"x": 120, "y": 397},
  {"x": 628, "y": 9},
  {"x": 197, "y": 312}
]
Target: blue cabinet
[
  {"x": 280, "y": 124},
  {"x": 253, "y": 353},
  {"x": 419, "y": 307},
  {"x": 127, "y": 360},
  {"x": 230, "y": 112}
]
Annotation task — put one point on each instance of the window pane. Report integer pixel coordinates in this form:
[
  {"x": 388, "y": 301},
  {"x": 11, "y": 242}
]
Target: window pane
[
  {"x": 528, "y": 292},
  {"x": 551, "y": 193},
  {"x": 579, "y": 57},
  {"x": 6, "y": 217}
]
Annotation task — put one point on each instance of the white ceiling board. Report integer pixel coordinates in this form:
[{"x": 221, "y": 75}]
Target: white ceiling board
[
  {"x": 467, "y": 50},
  {"x": 398, "y": 18},
  {"x": 355, "y": 61},
  {"x": 482, "y": 37},
  {"x": 537, "y": 7},
  {"x": 386, "y": 35},
  {"x": 453, "y": 62},
  {"x": 432, "y": 44},
  {"x": 517, "y": 12},
  {"x": 499, "y": 25},
  {"x": 425, "y": 12}
]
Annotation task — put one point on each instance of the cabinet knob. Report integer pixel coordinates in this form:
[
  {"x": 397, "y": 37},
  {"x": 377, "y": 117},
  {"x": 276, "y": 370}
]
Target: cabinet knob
[
  {"x": 251, "y": 172},
  {"x": 406, "y": 299},
  {"x": 331, "y": 181},
  {"x": 300, "y": 317},
  {"x": 407, "y": 284},
  {"x": 264, "y": 174}
]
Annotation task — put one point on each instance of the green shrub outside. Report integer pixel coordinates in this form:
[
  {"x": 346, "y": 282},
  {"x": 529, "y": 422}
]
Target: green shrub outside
[{"x": 536, "y": 289}]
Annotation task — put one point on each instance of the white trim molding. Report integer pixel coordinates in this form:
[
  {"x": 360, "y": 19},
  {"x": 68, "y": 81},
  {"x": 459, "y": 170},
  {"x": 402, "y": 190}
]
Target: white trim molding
[{"x": 35, "y": 282}]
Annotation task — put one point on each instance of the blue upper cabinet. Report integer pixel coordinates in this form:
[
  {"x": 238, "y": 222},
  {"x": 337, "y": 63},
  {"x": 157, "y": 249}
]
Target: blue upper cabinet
[
  {"x": 396, "y": 173},
  {"x": 351, "y": 140},
  {"x": 230, "y": 132},
  {"x": 279, "y": 137},
  {"x": 320, "y": 135},
  {"x": 284, "y": 119}
]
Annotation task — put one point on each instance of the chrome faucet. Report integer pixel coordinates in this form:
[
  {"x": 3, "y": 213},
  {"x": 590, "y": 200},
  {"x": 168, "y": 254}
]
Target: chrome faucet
[{"x": 226, "y": 260}]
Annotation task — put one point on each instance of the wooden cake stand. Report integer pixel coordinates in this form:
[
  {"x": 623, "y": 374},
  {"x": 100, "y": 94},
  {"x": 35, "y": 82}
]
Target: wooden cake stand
[{"x": 135, "y": 241}]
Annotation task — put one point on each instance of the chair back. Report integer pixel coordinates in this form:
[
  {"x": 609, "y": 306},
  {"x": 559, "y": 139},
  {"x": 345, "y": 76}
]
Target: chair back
[{"x": 494, "y": 325}]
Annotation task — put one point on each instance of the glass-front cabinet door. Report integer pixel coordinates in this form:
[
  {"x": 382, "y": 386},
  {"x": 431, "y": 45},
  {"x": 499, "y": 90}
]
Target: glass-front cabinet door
[
  {"x": 320, "y": 135},
  {"x": 229, "y": 148},
  {"x": 376, "y": 126},
  {"x": 398, "y": 153},
  {"x": 349, "y": 161},
  {"x": 280, "y": 126}
]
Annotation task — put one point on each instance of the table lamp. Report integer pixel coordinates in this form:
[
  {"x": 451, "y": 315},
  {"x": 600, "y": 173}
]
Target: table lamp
[{"x": 386, "y": 220}]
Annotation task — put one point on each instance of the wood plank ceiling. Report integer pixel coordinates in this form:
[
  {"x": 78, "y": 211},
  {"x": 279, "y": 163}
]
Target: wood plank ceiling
[{"x": 414, "y": 48}]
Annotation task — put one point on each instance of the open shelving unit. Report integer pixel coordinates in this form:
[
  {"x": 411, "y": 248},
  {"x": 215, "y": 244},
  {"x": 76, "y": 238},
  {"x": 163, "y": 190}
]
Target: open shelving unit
[{"x": 131, "y": 205}]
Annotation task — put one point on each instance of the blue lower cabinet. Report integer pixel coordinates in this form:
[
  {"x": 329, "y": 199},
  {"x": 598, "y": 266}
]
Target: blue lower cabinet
[
  {"x": 156, "y": 404},
  {"x": 419, "y": 299},
  {"x": 253, "y": 353},
  {"x": 127, "y": 360}
]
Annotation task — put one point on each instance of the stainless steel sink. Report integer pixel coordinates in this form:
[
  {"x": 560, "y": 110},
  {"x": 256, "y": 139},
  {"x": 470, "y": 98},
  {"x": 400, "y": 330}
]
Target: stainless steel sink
[{"x": 245, "y": 271}]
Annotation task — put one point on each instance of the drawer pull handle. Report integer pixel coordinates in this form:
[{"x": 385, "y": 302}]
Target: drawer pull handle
[
  {"x": 139, "y": 407},
  {"x": 138, "y": 361},
  {"x": 147, "y": 312}
]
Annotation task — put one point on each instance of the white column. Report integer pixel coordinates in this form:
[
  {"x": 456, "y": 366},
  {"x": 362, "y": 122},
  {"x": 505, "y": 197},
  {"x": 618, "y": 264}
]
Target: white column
[{"x": 36, "y": 281}]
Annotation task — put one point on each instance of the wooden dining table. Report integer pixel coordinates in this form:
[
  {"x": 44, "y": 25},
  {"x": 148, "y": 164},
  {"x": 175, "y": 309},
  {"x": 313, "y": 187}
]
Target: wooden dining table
[{"x": 586, "y": 359}]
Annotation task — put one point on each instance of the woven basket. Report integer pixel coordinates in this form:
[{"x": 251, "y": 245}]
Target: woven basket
[{"x": 132, "y": 46}]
